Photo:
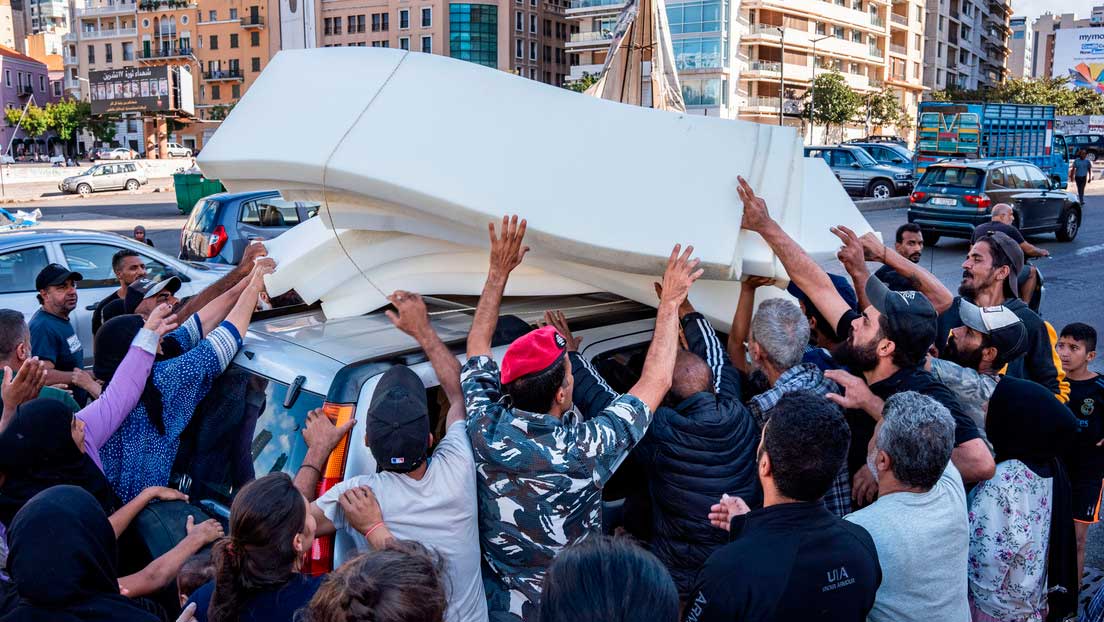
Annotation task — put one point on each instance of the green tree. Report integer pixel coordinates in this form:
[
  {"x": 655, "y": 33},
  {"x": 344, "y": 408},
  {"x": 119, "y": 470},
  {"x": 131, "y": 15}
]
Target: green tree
[
  {"x": 834, "y": 104},
  {"x": 65, "y": 118},
  {"x": 1042, "y": 91},
  {"x": 221, "y": 111},
  {"x": 884, "y": 107},
  {"x": 583, "y": 83}
]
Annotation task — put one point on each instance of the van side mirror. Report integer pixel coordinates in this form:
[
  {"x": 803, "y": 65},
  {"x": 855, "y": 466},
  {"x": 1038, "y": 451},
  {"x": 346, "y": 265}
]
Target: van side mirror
[
  {"x": 856, "y": 165},
  {"x": 898, "y": 160}
]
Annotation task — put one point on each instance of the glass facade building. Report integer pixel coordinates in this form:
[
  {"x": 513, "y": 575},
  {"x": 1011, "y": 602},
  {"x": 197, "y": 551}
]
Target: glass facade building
[{"x": 473, "y": 33}]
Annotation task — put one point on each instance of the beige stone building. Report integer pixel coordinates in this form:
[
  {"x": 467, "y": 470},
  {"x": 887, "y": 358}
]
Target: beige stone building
[
  {"x": 527, "y": 37},
  {"x": 7, "y": 25}
]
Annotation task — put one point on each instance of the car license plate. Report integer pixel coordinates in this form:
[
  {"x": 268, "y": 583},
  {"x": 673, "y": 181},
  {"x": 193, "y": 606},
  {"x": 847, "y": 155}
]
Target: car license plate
[{"x": 943, "y": 201}]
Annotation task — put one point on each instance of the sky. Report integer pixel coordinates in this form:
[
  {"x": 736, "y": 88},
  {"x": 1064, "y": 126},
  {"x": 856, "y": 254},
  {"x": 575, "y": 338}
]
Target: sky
[{"x": 1035, "y": 8}]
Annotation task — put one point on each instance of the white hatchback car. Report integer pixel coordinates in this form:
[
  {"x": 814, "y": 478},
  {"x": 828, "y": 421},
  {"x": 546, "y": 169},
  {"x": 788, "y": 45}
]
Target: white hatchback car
[
  {"x": 24, "y": 253},
  {"x": 179, "y": 151}
]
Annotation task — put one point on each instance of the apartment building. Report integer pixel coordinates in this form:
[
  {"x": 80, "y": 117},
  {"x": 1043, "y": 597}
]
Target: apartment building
[
  {"x": 7, "y": 25},
  {"x": 526, "y": 37},
  {"x": 25, "y": 79},
  {"x": 1020, "y": 48},
  {"x": 967, "y": 43},
  {"x": 46, "y": 16},
  {"x": 1043, "y": 33},
  {"x": 874, "y": 44}
]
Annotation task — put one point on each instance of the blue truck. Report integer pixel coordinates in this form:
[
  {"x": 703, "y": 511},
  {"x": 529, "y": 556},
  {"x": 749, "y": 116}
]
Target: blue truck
[{"x": 990, "y": 131}]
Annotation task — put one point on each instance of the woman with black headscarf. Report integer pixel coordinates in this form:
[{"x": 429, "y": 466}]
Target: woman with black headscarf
[
  {"x": 1023, "y": 555},
  {"x": 63, "y": 562}
]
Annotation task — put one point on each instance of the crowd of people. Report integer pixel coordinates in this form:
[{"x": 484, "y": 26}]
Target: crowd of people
[{"x": 873, "y": 447}]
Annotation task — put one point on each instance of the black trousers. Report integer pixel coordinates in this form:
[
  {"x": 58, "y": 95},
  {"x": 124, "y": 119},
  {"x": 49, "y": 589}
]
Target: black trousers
[{"x": 1081, "y": 181}]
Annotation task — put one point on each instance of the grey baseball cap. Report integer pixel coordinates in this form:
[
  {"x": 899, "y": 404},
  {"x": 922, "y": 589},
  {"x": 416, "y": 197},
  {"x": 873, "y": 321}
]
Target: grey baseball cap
[{"x": 1005, "y": 329}]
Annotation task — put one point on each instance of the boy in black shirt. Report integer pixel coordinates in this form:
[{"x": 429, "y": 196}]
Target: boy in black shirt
[{"x": 1077, "y": 348}]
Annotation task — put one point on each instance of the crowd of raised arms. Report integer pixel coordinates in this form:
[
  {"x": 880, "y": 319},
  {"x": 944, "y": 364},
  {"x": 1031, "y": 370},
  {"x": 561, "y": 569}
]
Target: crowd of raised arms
[{"x": 880, "y": 449}]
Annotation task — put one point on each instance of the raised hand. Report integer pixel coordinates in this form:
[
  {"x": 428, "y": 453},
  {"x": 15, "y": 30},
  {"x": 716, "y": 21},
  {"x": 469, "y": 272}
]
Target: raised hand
[
  {"x": 873, "y": 248},
  {"x": 163, "y": 493},
  {"x": 753, "y": 283},
  {"x": 320, "y": 432},
  {"x": 556, "y": 320},
  {"x": 411, "y": 317},
  {"x": 206, "y": 532},
  {"x": 756, "y": 217},
  {"x": 161, "y": 321},
  {"x": 680, "y": 274},
  {"x": 856, "y": 394},
  {"x": 25, "y": 386},
  {"x": 851, "y": 254},
  {"x": 684, "y": 309},
  {"x": 506, "y": 249},
  {"x": 253, "y": 251},
  {"x": 722, "y": 512}
]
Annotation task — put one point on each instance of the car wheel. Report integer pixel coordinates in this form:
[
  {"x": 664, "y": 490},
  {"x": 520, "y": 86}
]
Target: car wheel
[
  {"x": 1069, "y": 225},
  {"x": 1090, "y": 156},
  {"x": 931, "y": 238},
  {"x": 881, "y": 190},
  {"x": 84, "y": 190},
  {"x": 132, "y": 184}
]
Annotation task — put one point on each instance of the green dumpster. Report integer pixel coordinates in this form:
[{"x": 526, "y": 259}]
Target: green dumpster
[{"x": 191, "y": 187}]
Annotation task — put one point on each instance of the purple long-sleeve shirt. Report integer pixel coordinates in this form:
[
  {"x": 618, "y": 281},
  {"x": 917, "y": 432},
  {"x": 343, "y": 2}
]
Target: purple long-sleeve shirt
[{"x": 103, "y": 416}]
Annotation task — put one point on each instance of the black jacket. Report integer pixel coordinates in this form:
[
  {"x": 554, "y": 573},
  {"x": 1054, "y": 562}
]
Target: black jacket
[
  {"x": 693, "y": 453},
  {"x": 1041, "y": 363},
  {"x": 794, "y": 561}
]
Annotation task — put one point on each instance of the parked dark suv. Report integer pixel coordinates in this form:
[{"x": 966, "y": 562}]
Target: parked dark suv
[
  {"x": 1091, "y": 143},
  {"x": 955, "y": 196}
]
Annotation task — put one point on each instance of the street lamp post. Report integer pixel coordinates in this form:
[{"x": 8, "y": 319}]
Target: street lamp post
[
  {"x": 782, "y": 75},
  {"x": 812, "y": 86}
]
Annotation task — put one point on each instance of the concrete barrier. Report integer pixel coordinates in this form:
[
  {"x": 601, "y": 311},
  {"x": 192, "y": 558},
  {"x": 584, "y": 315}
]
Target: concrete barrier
[
  {"x": 38, "y": 173},
  {"x": 877, "y": 205}
]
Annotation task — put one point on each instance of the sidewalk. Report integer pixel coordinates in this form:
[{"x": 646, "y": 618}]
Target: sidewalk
[{"x": 48, "y": 191}]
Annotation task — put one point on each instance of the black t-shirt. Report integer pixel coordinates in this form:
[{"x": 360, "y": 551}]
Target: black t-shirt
[
  {"x": 54, "y": 339},
  {"x": 893, "y": 280},
  {"x": 983, "y": 230},
  {"x": 1086, "y": 460},
  {"x": 97, "y": 315}
]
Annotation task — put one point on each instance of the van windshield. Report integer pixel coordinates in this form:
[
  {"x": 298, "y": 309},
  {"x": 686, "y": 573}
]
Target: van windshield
[
  {"x": 953, "y": 177},
  {"x": 245, "y": 433}
]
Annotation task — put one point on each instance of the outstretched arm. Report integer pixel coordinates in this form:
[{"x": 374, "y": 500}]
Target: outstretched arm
[
  {"x": 215, "y": 291},
  {"x": 506, "y": 254},
  {"x": 803, "y": 271},
  {"x": 659, "y": 365},
  {"x": 1030, "y": 250},
  {"x": 321, "y": 436},
  {"x": 413, "y": 319},
  {"x": 925, "y": 282},
  {"x": 161, "y": 571},
  {"x": 741, "y": 321},
  {"x": 122, "y": 517}
]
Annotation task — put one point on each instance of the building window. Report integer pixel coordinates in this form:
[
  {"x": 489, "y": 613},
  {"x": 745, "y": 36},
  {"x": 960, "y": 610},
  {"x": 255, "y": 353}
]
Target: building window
[
  {"x": 856, "y": 36},
  {"x": 327, "y": 26},
  {"x": 519, "y": 21},
  {"x": 404, "y": 19},
  {"x": 920, "y": 13},
  {"x": 697, "y": 53},
  {"x": 350, "y": 24},
  {"x": 548, "y": 28},
  {"x": 215, "y": 94},
  {"x": 375, "y": 22},
  {"x": 128, "y": 50},
  {"x": 820, "y": 28},
  {"x": 695, "y": 16},
  {"x": 42, "y": 83},
  {"x": 108, "y": 53},
  {"x": 337, "y": 25},
  {"x": 360, "y": 22},
  {"x": 235, "y": 91},
  {"x": 533, "y": 23},
  {"x": 838, "y": 32},
  {"x": 917, "y": 46},
  {"x": 427, "y": 17},
  {"x": 404, "y": 43},
  {"x": 427, "y": 44},
  {"x": 214, "y": 42},
  {"x": 473, "y": 33},
  {"x": 707, "y": 92},
  {"x": 212, "y": 16},
  {"x": 519, "y": 49},
  {"x": 234, "y": 40},
  {"x": 532, "y": 50},
  {"x": 255, "y": 64},
  {"x": 233, "y": 14},
  {"x": 254, "y": 39},
  {"x": 916, "y": 70},
  {"x": 202, "y": 92},
  {"x": 57, "y": 87}
]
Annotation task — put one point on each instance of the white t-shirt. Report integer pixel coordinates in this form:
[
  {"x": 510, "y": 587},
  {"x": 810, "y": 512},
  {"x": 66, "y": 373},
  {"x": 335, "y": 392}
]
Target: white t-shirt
[
  {"x": 923, "y": 542},
  {"x": 438, "y": 511}
]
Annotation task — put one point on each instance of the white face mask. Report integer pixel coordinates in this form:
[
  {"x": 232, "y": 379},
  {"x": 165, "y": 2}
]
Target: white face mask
[{"x": 871, "y": 457}]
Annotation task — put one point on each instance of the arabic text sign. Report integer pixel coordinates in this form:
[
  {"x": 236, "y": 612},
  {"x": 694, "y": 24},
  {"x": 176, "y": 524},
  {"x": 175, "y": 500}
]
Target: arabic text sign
[{"x": 131, "y": 89}]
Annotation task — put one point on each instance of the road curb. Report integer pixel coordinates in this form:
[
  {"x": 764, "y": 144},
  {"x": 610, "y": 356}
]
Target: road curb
[
  {"x": 64, "y": 197},
  {"x": 877, "y": 205}
]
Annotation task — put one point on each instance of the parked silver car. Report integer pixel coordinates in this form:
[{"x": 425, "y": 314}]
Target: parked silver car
[
  {"x": 860, "y": 174},
  {"x": 107, "y": 176},
  {"x": 118, "y": 153},
  {"x": 24, "y": 253},
  {"x": 179, "y": 151}
]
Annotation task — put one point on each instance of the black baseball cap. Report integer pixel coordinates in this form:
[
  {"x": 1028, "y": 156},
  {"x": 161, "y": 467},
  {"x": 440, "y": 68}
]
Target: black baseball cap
[
  {"x": 910, "y": 316},
  {"x": 1006, "y": 330},
  {"x": 147, "y": 288},
  {"x": 398, "y": 421},
  {"x": 1010, "y": 249},
  {"x": 55, "y": 274}
]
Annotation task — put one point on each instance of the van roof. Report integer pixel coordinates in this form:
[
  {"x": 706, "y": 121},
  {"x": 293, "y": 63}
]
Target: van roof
[{"x": 372, "y": 336}]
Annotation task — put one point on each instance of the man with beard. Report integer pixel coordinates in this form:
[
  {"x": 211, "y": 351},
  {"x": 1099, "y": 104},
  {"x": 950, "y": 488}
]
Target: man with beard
[
  {"x": 887, "y": 344},
  {"x": 976, "y": 352},
  {"x": 1004, "y": 221},
  {"x": 990, "y": 278},
  {"x": 53, "y": 339},
  {"x": 910, "y": 245}
]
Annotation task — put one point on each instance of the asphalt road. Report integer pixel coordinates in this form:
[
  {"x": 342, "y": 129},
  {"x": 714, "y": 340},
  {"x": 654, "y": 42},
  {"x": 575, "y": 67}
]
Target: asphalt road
[{"x": 118, "y": 212}]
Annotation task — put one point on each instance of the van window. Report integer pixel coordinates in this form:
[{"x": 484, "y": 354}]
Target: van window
[
  {"x": 130, "y": 168},
  {"x": 953, "y": 177}
]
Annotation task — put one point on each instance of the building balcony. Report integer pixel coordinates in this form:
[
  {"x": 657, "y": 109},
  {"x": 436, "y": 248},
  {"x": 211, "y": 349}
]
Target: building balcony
[
  {"x": 877, "y": 21},
  {"x": 70, "y": 37},
  {"x": 252, "y": 21},
  {"x": 765, "y": 66},
  {"x": 579, "y": 7},
  {"x": 108, "y": 33},
  {"x": 118, "y": 8},
  {"x": 898, "y": 49},
  {"x": 597, "y": 40},
  {"x": 24, "y": 89},
  {"x": 875, "y": 52},
  {"x": 898, "y": 20},
  {"x": 224, "y": 75},
  {"x": 69, "y": 59},
  {"x": 166, "y": 5},
  {"x": 170, "y": 54}
]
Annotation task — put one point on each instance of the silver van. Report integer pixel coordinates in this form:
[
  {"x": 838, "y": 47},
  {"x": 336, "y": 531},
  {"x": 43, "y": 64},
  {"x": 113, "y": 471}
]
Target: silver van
[{"x": 107, "y": 176}]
